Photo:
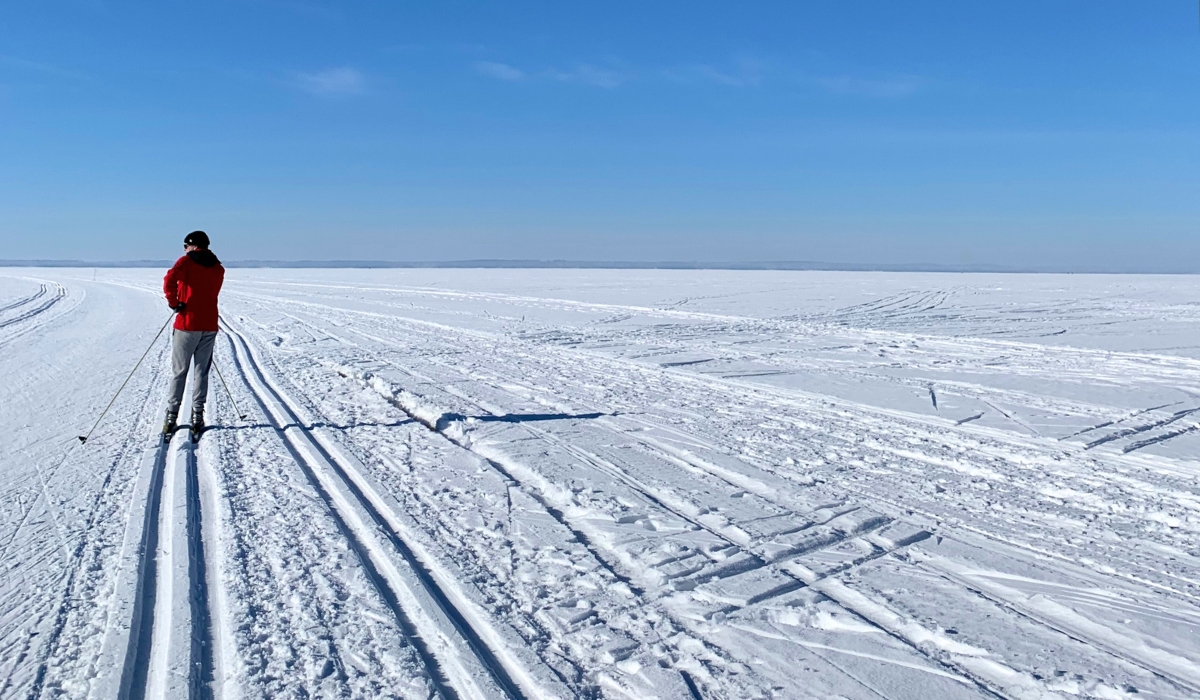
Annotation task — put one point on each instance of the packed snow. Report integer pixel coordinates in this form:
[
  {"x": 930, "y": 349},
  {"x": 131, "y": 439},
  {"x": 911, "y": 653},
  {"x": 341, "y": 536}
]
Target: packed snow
[{"x": 606, "y": 484}]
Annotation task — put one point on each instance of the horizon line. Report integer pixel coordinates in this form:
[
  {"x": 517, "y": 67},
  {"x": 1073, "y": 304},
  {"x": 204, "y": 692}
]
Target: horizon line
[{"x": 496, "y": 263}]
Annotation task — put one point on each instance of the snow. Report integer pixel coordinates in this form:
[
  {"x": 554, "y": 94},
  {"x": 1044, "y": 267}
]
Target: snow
[{"x": 606, "y": 484}]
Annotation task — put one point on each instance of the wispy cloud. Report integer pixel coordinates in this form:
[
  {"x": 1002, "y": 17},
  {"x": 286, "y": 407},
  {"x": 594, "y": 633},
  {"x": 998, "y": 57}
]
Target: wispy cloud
[
  {"x": 744, "y": 72},
  {"x": 44, "y": 68},
  {"x": 587, "y": 74},
  {"x": 334, "y": 82},
  {"x": 500, "y": 71},
  {"x": 891, "y": 86},
  {"x": 582, "y": 74}
]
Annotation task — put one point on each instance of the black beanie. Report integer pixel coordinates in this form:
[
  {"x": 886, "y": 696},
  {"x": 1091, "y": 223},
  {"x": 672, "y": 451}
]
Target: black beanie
[{"x": 196, "y": 238}]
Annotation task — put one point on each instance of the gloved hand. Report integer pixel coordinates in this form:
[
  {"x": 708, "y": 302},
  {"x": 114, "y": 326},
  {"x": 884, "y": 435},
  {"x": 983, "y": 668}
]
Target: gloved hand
[{"x": 179, "y": 307}]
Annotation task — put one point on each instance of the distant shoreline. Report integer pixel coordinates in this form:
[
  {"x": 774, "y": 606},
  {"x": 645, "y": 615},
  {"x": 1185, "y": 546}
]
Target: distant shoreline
[{"x": 602, "y": 265}]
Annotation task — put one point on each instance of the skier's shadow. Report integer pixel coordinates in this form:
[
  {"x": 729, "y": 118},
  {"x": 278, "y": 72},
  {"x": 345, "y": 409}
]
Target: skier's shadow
[
  {"x": 447, "y": 418},
  {"x": 443, "y": 421},
  {"x": 304, "y": 426}
]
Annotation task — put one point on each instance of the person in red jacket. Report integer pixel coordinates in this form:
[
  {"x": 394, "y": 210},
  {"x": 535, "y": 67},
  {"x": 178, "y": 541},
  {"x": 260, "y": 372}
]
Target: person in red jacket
[{"x": 191, "y": 287}]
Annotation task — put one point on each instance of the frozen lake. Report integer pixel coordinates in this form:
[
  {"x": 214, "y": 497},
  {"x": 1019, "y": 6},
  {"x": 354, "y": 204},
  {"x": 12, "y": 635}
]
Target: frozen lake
[{"x": 607, "y": 484}]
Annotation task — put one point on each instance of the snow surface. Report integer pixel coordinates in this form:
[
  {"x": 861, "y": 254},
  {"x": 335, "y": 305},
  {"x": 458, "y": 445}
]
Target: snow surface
[{"x": 607, "y": 484}]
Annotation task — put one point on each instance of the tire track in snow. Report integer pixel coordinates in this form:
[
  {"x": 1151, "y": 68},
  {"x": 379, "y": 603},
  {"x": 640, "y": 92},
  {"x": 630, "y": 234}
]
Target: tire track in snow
[{"x": 462, "y": 665}]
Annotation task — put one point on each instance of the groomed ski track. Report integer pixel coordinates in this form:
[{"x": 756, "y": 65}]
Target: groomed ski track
[
  {"x": 633, "y": 507},
  {"x": 461, "y": 663}
]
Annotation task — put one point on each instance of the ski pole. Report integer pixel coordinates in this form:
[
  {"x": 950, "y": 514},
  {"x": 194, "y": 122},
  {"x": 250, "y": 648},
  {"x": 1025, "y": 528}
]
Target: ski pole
[
  {"x": 84, "y": 438},
  {"x": 241, "y": 416}
]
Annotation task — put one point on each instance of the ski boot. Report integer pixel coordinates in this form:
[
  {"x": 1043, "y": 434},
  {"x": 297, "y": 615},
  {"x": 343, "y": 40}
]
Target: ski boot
[
  {"x": 197, "y": 425},
  {"x": 168, "y": 427}
]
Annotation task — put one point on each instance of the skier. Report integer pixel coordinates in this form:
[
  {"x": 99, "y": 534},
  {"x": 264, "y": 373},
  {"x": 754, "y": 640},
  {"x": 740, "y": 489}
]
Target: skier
[{"x": 191, "y": 287}]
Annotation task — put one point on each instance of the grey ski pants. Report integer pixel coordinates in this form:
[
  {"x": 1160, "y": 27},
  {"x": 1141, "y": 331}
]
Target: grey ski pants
[{"x": 188, "y": 347}]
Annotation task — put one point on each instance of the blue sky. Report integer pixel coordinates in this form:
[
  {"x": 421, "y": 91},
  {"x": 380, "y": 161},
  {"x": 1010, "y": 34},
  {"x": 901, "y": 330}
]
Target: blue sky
[{"x": 1031, "y": 134}]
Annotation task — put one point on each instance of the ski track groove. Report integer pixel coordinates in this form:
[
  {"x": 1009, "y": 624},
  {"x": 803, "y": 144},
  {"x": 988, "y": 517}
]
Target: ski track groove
[
  {"x": 1033, "y": 618},
  {"x": 990, "y": 686},
  {"x": 600, "y": 554},
  {"x": 218, "y": 658},
  {"x": 142, "y": 653},
  {"x": 25, "y": 300},
  {"x": 320, "y": 462},
  {"x": 201, "y": 649},
  {"x": 1073, "y": 631},
  {"x": 156, "y": 660},
  {"x": 489, "y": 659},
  {"x": 59, "y": 293},
  {"x": 130, "y": 445},
  {"x": 647, "y": 492}
]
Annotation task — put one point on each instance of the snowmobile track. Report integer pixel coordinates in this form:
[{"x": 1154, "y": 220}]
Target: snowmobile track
[{"x": 459, "y": 660}]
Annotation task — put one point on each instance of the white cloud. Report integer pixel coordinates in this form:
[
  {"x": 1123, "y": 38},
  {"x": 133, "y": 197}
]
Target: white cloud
[
  {"x": 334, "y": 82},
  {"x": 894, "y": 86},
  {"x": 500, "y": 71}
]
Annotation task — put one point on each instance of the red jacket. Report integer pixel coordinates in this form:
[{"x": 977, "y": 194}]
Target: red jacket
[{"x": 195, "y": 280}]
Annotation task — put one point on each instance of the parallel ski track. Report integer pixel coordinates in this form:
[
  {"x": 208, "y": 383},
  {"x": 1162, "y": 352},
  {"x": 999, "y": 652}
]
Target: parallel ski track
[
  {"x": 59, "y": 293},
  {"x": 1147, "y": 662},
  {"x": 1037, "y": 619},
  {"x": 136, "y": 672},
  {"x": 1142, "y": 661},
  {"x": 578, "y": 532},
  {"x": 133, "y": 442},
  {"x": 677, "y": 510},
  {"x": 305, "y": 450},
  {"x": 428, "y": 329},
  {"x": 148, "y": 652},
  {"x": 202, "y": 645},
  {"x": 985, "y": 686},
  {"x": 31, "y": 319},
  {"x": 41, "y": 292}
]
